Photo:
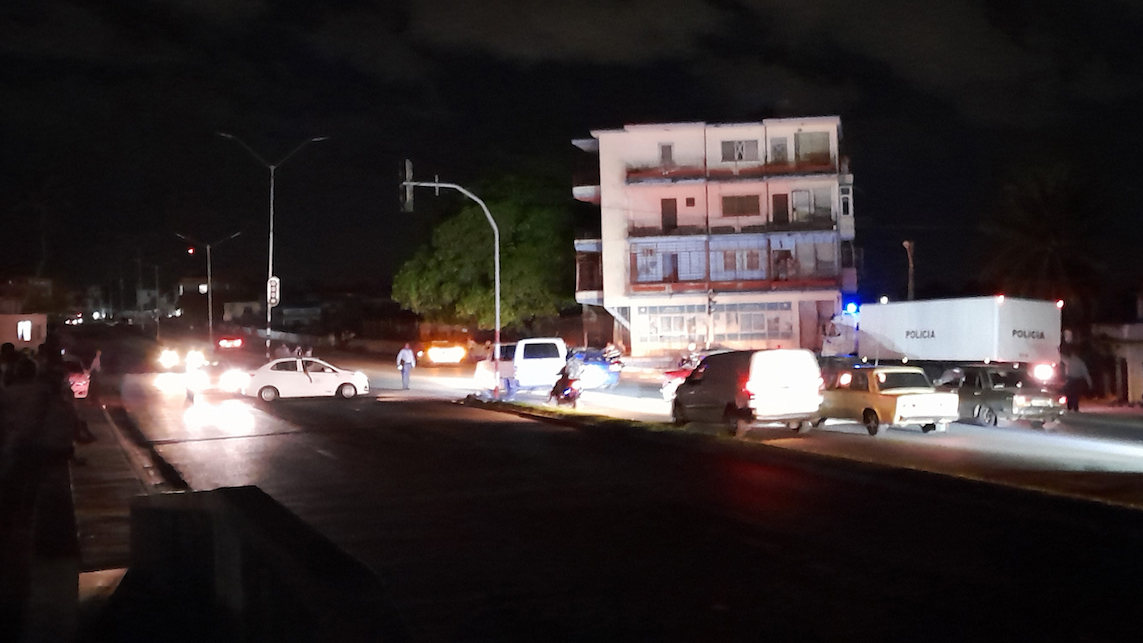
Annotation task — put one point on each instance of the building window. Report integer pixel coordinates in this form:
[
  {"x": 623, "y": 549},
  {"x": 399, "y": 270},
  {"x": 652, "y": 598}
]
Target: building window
[
  {"x": 666, "y": 154},
  {"x": 733, "y": 151},
  {"x": 812, "y": 147},
  {"x": 690, "y": 202},
  {"x": 729, "y": 262},
  {"x": 845, "y": 205},
  {"x": 801, "y": 199},
  {"x": 741, "y": 206},
  {"x": 778, "y": 151},
  {"x": 753, "y": 260}
]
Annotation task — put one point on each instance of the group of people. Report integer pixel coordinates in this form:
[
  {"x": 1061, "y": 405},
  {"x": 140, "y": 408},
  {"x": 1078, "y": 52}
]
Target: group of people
[{"x": 38, "y": 428}]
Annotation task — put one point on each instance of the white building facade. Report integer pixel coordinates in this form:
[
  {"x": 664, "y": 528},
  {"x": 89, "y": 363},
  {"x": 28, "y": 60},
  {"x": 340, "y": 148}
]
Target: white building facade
[{"x": 724, "y": 235}]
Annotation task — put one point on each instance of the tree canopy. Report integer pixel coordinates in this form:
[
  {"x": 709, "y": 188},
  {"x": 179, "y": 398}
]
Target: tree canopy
[
  {"x": 452, "y": 279},
  {"x": 1043, "y": 236}
]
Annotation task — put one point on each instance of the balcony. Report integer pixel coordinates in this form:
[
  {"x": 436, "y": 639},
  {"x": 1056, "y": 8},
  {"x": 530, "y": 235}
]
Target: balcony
[
  {"x": 740, "y": 172},
  {"x": 752, "y": 285},
  {"x": 811, "y": 223}
]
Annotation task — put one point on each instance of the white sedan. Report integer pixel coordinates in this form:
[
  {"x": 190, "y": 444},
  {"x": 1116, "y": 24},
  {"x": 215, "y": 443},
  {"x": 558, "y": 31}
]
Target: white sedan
[{"x": 304, "y": 377}]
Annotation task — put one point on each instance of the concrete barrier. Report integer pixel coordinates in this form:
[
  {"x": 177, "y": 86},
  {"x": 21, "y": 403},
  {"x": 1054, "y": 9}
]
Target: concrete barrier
[{"x": 234, "y": 565}]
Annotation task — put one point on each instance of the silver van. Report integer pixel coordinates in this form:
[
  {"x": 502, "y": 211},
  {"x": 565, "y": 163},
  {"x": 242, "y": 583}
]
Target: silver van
[{"x": 742, "y": 388}]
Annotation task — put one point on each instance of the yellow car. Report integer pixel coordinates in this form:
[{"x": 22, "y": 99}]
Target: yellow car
[{"x": 883, "y": 396}]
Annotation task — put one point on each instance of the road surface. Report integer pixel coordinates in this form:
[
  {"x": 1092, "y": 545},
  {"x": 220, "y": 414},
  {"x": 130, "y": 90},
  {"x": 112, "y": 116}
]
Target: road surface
[{"x": 495, "y": 527}]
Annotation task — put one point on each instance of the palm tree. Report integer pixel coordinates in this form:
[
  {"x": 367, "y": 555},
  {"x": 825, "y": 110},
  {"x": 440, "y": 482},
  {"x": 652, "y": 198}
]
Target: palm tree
[{"x": 1042, "y": 238}]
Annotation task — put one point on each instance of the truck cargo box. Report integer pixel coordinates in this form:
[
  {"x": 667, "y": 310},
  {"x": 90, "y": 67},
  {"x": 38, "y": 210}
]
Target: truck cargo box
[{"x": 969, "y": 329}]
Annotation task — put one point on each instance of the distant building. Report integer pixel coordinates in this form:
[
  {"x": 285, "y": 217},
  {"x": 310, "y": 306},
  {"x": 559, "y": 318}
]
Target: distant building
[{"x": 732, "y": 235}]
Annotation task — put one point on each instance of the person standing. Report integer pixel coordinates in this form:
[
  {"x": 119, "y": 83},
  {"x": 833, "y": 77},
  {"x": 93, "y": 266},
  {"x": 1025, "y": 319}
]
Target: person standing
[
  {"x": 1077, "y": 378},
  {"x": 406, "y": 362}
]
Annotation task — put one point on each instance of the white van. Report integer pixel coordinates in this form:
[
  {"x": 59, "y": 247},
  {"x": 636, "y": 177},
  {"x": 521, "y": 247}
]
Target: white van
[
  {"x": 529, "y": 363},
  {"x": 742, "y": 388}
]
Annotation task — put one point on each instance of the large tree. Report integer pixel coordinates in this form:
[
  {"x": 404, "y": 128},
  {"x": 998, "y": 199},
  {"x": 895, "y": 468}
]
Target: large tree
[
  {"x": 452, "y": 279},
  {"x": 1043, "y": 237}
]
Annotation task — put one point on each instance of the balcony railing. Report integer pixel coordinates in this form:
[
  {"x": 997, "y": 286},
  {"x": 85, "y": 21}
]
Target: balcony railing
[
  {"x": 721, "y": 172},
  {"x": 799, "y": 283},
  {"x": 813, "y": 222}
]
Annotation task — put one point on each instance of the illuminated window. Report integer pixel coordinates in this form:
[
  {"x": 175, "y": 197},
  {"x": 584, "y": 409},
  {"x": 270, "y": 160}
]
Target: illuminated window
[
  {"x": 24, "y": 330},
  {"x": 202, "y": 289}
]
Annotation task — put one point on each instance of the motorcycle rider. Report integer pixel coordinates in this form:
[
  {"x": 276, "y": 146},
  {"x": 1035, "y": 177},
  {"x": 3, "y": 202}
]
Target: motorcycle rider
[{"x": 568, "y": 374}]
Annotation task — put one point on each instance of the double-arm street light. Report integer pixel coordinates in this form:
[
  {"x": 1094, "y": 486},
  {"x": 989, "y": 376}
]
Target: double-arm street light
[
  {"x": 273, "y": 168},
  {"x": 209, "y": 278},
  {"x": 496, "y": 262}
]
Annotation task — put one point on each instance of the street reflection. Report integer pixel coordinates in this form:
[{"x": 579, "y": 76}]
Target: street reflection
[
  {"x": 232, "y": 417},
  {"x": 171, "y": 383}
]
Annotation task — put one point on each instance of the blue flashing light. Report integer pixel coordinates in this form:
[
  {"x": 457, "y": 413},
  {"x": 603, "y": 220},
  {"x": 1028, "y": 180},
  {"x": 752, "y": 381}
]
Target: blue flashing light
[{"x": 851, "y": 308}]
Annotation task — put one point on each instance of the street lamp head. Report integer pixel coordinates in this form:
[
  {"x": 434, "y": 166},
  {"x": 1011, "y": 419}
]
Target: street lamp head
[
  {"x": 318, "y": 139},
  {"x": 225, "y": 135}
]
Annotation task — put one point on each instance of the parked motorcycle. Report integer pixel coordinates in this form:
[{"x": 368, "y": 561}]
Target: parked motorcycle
[{"x": 674, "y": 377}]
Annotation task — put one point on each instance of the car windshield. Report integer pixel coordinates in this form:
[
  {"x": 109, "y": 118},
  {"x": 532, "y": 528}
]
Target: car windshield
[
  {"x": 897, "y": 379},
  {"x": 1012, "y": 379}
]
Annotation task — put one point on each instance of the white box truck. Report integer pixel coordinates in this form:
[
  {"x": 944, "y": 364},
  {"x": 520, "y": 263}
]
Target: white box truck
[{"x": 968, "y": 329}]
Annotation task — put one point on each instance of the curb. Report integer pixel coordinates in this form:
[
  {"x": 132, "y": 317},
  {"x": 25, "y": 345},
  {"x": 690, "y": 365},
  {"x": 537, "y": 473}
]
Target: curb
[
  {"x": 818, "y": 461},
  {"x": 125, "y": 426}
]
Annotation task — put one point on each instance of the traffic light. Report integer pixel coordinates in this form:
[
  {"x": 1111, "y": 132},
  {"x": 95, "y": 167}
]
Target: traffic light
[
  {"x": 407, "y": 190},
  {"x": 273, "y": 292}
]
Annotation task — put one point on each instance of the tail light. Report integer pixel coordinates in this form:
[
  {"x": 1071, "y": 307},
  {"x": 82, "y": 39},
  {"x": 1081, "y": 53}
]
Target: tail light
[{"x": 1063, "y": 400}]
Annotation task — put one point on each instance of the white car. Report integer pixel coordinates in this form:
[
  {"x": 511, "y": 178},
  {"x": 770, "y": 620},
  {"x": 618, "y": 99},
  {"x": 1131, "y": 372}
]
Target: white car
[{"x": 304, "y": 377}]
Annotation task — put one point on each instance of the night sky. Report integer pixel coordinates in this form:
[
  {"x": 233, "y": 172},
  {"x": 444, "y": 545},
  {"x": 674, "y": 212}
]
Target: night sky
[{"x": 109, "y": 113}]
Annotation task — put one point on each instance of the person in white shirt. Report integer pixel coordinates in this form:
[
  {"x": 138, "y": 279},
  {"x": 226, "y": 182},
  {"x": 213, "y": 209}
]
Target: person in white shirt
[{"x": 406, "y": 361}]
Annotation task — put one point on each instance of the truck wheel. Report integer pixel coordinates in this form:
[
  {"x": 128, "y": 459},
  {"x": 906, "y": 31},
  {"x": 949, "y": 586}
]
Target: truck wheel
[
  {"x": 801, "y": 427},
  {"x": 678, "y": 416},
  {"x": 872, "y": 422},
  {"x": 928, "y": 428},
  {"x": 987, "y": 416}
]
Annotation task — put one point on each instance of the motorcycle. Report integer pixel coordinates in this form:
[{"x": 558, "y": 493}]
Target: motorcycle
[
  {"x": 566, "y": 392},
  {"x": 674, "y": 377}
]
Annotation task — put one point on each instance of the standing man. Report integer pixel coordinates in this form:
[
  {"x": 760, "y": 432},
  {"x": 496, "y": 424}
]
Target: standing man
[
  {"x": 406, "y": 361},
  {"x": 1077, "y": 376}
]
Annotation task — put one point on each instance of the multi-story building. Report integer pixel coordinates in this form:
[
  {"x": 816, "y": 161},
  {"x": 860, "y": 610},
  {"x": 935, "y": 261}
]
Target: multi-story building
[{"x": 730, "y": 235}]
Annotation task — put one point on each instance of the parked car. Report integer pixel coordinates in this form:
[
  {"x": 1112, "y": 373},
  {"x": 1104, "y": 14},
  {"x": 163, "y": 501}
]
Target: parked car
[
  {"x": 598, "y": 371},
  {"x": 742, "y": 388},
  {"x": 998, "y": 394},
  {"x": 883, "y": 396},
  {"x": 304, "y": 377},
  {"x": 77, "y": 376}
]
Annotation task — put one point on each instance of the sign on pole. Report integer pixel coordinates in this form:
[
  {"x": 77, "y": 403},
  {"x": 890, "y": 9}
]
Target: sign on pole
[{"x": 273, "y": 291}]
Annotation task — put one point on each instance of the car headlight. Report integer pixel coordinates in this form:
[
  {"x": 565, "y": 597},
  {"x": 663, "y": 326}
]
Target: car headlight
[
  {"x": 169, "y": 358},
  {"x": 446, "y": 354},
  {"x": 195, "y": 359},
  {"x": 234, "y": 380}
]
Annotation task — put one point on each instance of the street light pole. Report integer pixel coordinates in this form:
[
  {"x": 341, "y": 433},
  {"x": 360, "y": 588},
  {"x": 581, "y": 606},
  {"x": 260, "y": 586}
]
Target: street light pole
[
  {"x": 209, "y": 279},
  {"x": 908, "y": 244},
  {"x": 273, "y": 167},
  {"x": 496, "y": 264}
]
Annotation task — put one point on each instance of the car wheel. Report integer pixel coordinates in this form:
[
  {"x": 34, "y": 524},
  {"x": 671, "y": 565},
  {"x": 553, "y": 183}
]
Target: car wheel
[
  {"x": 801, "y": 427},
  {"x": 346, "y": 391},
  {"x": 872, "y": 422},
  {"x": 987, "y": 416},
  {"x": 678, "y": 416},
  {"x": 818, "y": 423},
  {"x": 268, "y": 394},
  {"x": 928, "y": 428}
]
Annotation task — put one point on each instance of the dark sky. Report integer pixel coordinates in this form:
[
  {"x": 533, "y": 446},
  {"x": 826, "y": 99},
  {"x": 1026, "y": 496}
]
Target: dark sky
[{"x": 108, "y": 114}]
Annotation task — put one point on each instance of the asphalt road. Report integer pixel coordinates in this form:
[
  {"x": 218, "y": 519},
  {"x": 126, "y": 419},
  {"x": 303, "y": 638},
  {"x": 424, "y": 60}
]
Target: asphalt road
[{"x": 494, "y": 527}]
